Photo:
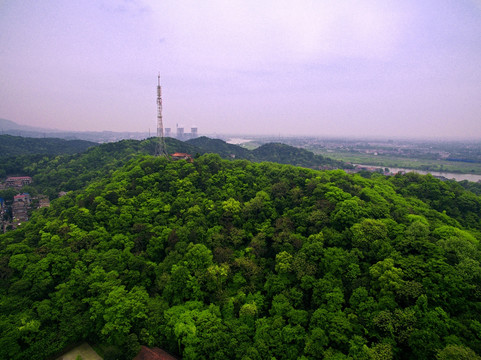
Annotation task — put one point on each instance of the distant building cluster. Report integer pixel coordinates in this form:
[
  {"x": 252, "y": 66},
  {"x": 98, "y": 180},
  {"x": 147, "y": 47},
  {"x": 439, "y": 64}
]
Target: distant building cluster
[
  {"x": 180, "y": 133},
  {"x": 17, "y": 181},
  {"x": 15, "y": 211},
  {"x": 43, "y": 201},
  {"x": 3, "y": 213},
  {"x": 20, "y": 205}
]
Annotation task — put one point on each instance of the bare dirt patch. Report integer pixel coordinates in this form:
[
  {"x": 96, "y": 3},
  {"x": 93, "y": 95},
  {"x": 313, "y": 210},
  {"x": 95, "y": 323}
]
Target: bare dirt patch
[{"x": 84, "y": 350}]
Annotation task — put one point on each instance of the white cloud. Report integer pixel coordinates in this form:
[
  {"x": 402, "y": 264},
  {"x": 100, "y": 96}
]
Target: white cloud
[{"x": 246, "y": 34}]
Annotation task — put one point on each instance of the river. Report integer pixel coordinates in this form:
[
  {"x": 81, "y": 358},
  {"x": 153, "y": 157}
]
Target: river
[{"x": 447, "y": 175}]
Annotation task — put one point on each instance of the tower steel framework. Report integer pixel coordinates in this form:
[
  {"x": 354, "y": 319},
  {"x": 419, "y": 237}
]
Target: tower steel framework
[{"x": 161, "y": 148}]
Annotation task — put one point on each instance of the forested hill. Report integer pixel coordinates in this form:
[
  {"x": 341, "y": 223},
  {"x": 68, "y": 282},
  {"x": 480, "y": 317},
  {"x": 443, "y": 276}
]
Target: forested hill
[
  {"x": 17, "y": 145},
  {"x": 221, "y": 147},
  {"x": 73, "y": 172},
  {"x": 286, "y": 154},
  {"x": 53, "y": 173},
  {"x": 273, "y": 152},
  {"x": 221, "y": 259}
]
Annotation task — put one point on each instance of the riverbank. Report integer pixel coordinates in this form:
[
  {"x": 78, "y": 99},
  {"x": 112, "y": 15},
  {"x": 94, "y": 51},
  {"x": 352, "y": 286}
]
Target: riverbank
[
  {"x": 447, "y": 175},
  {"x": 410, "y": 164}
]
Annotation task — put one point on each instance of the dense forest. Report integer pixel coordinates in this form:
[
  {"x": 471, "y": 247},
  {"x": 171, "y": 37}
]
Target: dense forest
[
  {"x": 220, "y": 259},
  {"x": 55, "y": 173},
  {"x": 17, "y": 145}
]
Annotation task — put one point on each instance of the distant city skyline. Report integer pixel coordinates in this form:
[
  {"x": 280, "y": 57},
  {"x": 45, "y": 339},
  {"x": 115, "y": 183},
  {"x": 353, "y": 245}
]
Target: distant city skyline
[{"x": 368, "y": 68}]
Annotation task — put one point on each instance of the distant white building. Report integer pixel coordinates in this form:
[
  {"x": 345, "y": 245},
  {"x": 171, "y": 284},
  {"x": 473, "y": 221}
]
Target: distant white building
[{"x": 180, "y": 133}]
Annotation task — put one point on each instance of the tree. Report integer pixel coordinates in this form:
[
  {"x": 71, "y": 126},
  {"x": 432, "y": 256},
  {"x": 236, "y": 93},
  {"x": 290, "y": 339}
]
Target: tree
[
  {"x": 457, "y": 352},
  {"x": 123, "y": 310}
]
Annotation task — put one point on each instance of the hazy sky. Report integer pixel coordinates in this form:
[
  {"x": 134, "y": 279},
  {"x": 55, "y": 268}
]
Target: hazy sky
[{"x": 320, "y": 67}]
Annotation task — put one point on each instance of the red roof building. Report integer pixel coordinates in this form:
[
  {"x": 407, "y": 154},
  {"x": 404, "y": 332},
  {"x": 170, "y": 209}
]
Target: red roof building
[
  {"x": 153, "y": 354},
  {"x": 181, "y": 156},
  {"x": 22, "y": 197}
]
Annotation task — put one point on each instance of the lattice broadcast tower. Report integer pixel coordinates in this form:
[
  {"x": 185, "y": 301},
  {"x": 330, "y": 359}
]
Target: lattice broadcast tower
[{"x": 161, "y": 149}]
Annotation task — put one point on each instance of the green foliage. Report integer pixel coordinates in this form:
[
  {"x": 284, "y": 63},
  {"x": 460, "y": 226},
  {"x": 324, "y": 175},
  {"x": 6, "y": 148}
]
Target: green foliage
[
  {"x": 272, "y": 152},
  {"x": 457, "y": 352},
  {"x": 222, "y": 148},
  {"x": 57, "y": 165},
  {"x": 285, "y": 154},
  {"x": 16, "y": 145},
  {"x": 238, "y": 260}
]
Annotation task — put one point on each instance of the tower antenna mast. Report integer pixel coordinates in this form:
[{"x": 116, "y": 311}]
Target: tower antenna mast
[{"x": 161, "y": 148}]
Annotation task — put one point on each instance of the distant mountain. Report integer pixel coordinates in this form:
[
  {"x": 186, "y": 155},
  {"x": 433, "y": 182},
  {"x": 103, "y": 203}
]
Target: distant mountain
[
  {"x": 8, "y": 127},
  {"x": 222, "y": 148},
  {"x": 7, "y": 124},
  {"x": 17, "y": 145}
]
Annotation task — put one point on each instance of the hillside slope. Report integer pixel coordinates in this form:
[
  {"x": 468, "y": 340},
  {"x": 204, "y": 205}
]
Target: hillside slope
[
  {"x": 72, "y": 172},
  {"x": 9, "y": 125},
  {"x": 286, "y": 154},
  {"x": 232, "y": 259},
  {"x": 217, "y": 146},
  {"x": 17, "y": 145},
  {"x": 272, "y": 152}
]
